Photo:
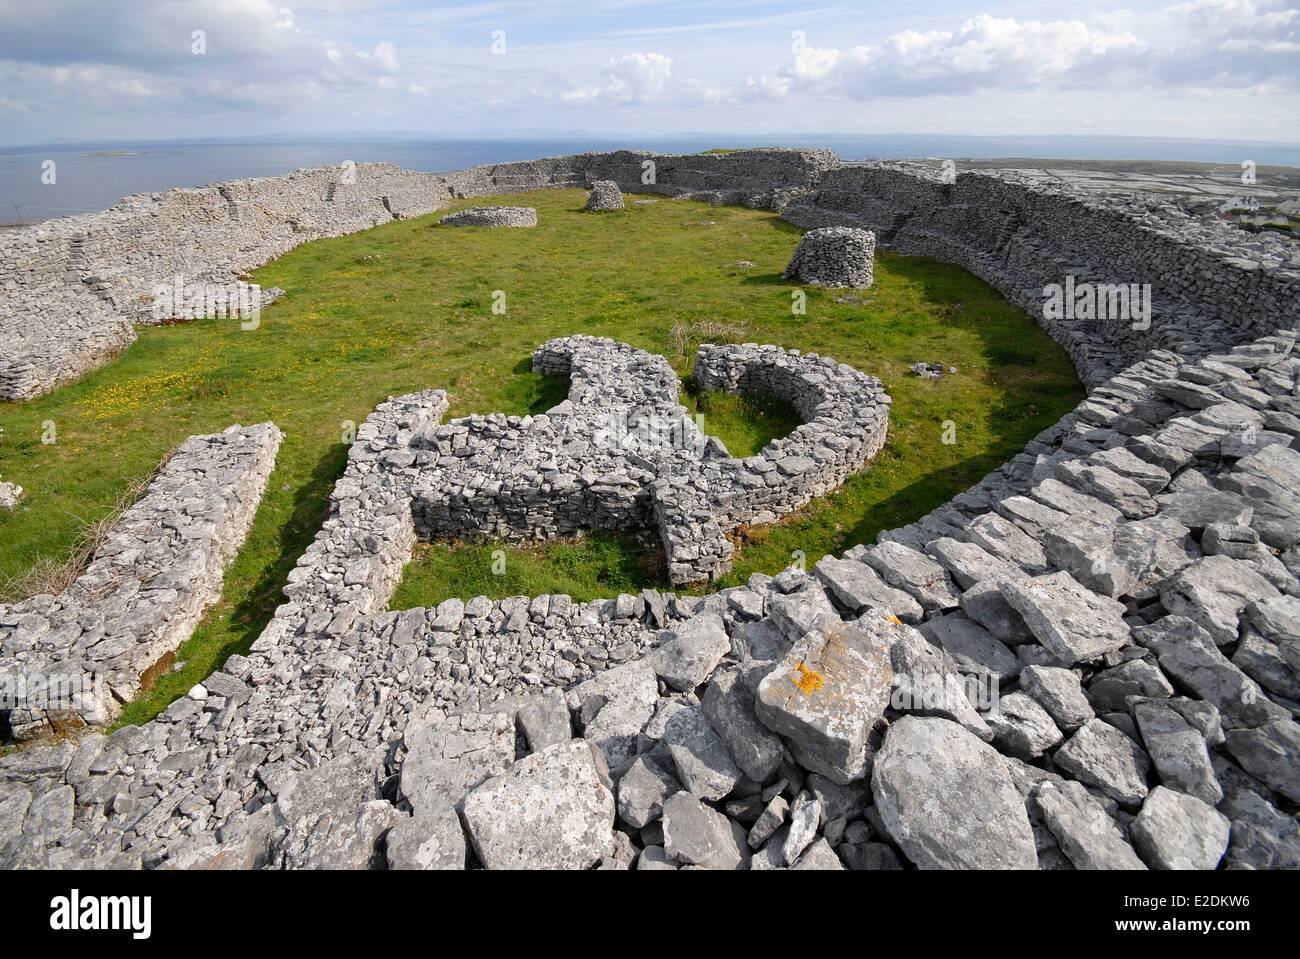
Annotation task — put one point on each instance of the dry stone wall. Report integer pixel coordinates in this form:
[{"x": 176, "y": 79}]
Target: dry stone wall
[
  {"x": 1212, "y": 286},
  {"x": 518, "y": 216},
  {"x": 621, "y": 453},
  {"x": 85, "y": 652}
]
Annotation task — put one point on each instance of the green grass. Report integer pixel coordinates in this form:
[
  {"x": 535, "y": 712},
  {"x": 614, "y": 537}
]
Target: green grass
[{"x": 407, "y": 306}]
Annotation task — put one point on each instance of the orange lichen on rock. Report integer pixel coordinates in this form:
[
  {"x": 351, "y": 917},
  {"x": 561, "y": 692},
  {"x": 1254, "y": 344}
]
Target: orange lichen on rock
[{"x": 809, "y": 680}]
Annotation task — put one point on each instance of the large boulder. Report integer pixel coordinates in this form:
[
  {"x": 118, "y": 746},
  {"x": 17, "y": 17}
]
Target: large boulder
[
  {"x": 948, "y": 800},
  {"x": 828, "y": 691},
  {"x": 550, "y": 810},
  {"x": 447, "y": 758}
]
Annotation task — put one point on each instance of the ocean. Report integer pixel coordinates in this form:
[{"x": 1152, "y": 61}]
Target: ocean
[{"x": 93, "y": 177}]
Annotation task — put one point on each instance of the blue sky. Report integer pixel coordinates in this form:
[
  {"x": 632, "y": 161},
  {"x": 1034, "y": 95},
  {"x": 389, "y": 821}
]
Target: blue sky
[{"x": 93, "y": 69}]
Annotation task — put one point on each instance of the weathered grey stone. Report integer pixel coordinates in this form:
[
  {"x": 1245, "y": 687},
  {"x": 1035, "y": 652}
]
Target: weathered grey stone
[
  {"x": 914, "y": 573},
  {"x": 1177, "y": 749},
  {"x": 1088, "y": 836},
  {"x": 925, "y": 684},
  {"x": 947, "y": 799},
  {"x": 1021, "y": 727},
  {"x": 769, "y": 821},
  {"x": 972, "y": 648},
  {"x": 433, "y": 839},
  {"x": 796, "y": 612},
  {"x": 985, "y": 604},
  {"x": 969, "y": 564},
  {"x": 700, "y": 836},
  {"x": 818, "y": 857},
  {"x": 701, "y": 758},
  {"x": 858, "y": 587},
  {"x": 550, "y": 810},
  {"x": 642, "y": 791},
  {"x": 692, "y": 652},
  {"x": 1213, "y": 591},
  {"x": 804, "y": 818},
  {"x": 1110, "y": 688},
  {"x": 1059, "y": 692},
  {"x": 1070, "y": 621},
  {"x": 729, "y": 706},
  {"x": 627, "y": 695},
  {"x": 545, "y": 721},
  {"x": 654, "y": 857},
  {"x": 1188, "y": 655},
  {"x": 449, "y": 757},
  {"x": 828, "y": 691},
  {"x": 1100, "y": 755},
  {"x": 1178, "y": 831},
  {"x": 1270, "y": 753},
  {"x": 339, "y": 838}
]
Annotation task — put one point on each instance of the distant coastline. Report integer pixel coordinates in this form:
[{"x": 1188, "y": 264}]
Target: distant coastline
[{"x": 85, "y": 182}]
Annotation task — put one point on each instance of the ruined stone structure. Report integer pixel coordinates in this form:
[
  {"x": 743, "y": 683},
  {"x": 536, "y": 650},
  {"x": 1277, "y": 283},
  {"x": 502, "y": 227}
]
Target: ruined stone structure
[
  {"x": 1086, "y": 660},
  {"x": 605, "y": 195},
  {"x": 521, "y": 216},
  {"x": 834, "y": 256},
  {"x": 88, "y": 650},
  {"x": 621, "y": 453}
]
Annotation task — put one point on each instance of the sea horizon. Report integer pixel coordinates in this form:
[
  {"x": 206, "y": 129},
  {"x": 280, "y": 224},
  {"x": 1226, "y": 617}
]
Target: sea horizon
[{"x": 92, "y": 175}]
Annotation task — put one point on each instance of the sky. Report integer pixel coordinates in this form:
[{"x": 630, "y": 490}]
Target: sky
[{"x": 163, "y": 69}]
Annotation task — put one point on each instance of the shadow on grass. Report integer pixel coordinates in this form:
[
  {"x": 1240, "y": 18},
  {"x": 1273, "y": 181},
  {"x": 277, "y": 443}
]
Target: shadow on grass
[
  {"x": 534, "y": 393},
  {"x": 310, "y": 510}
]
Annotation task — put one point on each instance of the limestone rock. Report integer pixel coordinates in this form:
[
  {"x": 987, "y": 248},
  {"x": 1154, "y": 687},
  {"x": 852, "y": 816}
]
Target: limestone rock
[
  {"x": 449, "y": 757},
  {"x": 1087, "y": 834},
  {"x": 686, "y": 659},
  {"x": 826, "y": 694},
  {"x": 947, "y": 799},
  {"x": 1100, "y": 755},
  {"x": 1178, "y": 831},
  {"x": 1070, "y": 621},
  {"x": 550, "y": 810},
  {"x": 433, "y": 839}
]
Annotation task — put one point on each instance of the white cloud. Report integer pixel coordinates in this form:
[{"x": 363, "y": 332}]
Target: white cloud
[
  {"x": 637, "y": 77},
  {"x": 1208, "y": 45}
]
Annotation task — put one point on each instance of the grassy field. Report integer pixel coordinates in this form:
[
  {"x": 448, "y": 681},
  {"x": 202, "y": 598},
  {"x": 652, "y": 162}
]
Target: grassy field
[{"x": 408, "y": 306}]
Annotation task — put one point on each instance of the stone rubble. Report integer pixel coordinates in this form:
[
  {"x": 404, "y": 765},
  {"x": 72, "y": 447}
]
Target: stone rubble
[{"x": 10, "y": 494}]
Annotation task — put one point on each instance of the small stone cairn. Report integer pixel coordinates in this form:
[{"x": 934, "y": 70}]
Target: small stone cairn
[
  {"x": 834, "y": 256},
  {"x": 605, "y": 195}
]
